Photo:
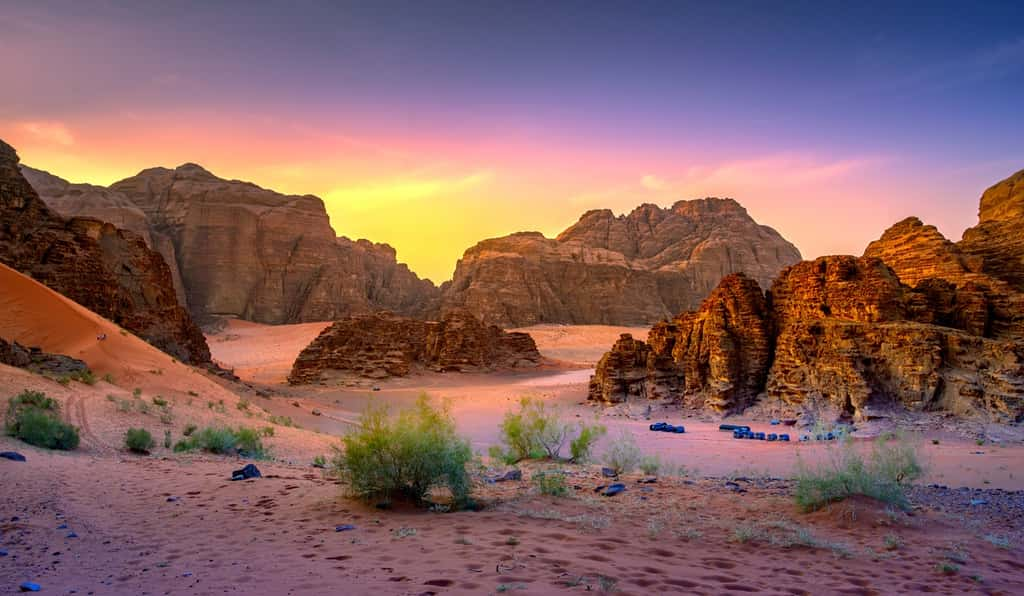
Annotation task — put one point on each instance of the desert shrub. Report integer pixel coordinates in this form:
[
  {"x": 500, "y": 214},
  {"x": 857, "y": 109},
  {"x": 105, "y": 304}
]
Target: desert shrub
[
  {"x": 551, "y": 483},
  {"x": 281, "y": 420},
  {"x": 267, "y": 431},
  {"x": 137, "y": 392},
  {"x": 189, "y": 429},
  {"x": 34, "y": 418},
  {"x": 405, "y": 456},
  {"x": 167, "y": 439},
  {"x": 537, "y": 431},
  {"x": 622, "y": 454},
  {"x": 650, "y": 465},
  {"x": 108, "y": 378},
  {"x": 249, "y": 442},
  {"x": 883, "y": 475},
  {"x": 581, "y": 447},
  {"x": 159, "y": 401},
  {"x": 319, "y": 461},
  {"x": 138, "y": 440}
]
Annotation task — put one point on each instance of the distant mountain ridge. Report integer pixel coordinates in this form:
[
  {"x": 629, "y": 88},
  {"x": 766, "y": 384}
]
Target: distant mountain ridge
[
  {"x": 637, "y": 268},
  {"x": 240, "y": 250}
]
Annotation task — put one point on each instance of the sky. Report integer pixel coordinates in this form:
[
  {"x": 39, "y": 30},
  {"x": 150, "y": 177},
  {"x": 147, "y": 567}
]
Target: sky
[{"x": 434, "y": 125}]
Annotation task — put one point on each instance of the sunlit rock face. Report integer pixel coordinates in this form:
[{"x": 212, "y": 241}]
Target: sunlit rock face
[
  {"x": 918, "y": 323},
  {"x": 104, "y": 268},
  {"x": 239, "y": 250},
  {"x": 626, "y": 270}
]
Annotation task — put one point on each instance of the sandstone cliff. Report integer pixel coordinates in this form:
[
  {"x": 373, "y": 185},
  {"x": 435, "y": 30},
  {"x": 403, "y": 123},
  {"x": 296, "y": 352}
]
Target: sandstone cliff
[
  {"x": 841, "y": 331},
  {"x": 240, "y": 250},
  {"x": 631, "y": 269},
  {"x": 382, "y": 344},
  {"x": 106, "y": 269},
  {"x": 918, "y": 323}
]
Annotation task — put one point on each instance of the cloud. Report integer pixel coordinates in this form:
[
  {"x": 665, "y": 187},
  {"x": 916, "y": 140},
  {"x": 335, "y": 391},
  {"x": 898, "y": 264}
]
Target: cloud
[
  {"x": 652, "y": 182},
  {"x": 371, "y": 194},
  {"x": 48, "y": 131}
]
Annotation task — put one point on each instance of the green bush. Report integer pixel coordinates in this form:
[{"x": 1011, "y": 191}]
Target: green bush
[
  {"x": 884, "y": 475},
  {"x": 189, "y": 429},
  {"x": 246, "y": 442},
  {"x": 159, "y": 401},
  {"x": 405, "y": 456},
  {"x": 537, "y": 431},
  {"x": 650, "y": 465},
  {"x": 581, "y": 447},
  {"x": 551, "y": 483},
  {"x": 622, "y": 455},
  {"x": 33, "y": 417},
  {"x": 138, "y": 440}
]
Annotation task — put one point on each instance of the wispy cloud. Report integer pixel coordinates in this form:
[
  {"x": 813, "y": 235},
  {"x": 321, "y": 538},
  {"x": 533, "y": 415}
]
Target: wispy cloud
[{"x": 48, "y": 131}]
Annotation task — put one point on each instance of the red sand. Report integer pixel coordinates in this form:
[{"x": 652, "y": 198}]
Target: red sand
[{"x": 276, "y": 535}]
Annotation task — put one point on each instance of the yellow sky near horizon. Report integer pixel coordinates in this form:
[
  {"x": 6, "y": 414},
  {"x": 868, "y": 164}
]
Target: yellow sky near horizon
[{"x": 431, "y": 200}]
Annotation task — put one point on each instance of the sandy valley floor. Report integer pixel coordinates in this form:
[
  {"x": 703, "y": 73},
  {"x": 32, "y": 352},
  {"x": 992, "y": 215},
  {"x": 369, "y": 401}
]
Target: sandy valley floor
[{"x": 175, "y": 524}]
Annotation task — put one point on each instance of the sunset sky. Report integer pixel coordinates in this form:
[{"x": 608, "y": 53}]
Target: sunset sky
[{"x": 432, "y": 125}]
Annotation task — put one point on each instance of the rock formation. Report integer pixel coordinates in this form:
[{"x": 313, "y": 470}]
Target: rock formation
[
  {"x": 631, "y": 269},
  {"x": 716, "y": 357},
  {"x": 382, "y": 344},
  {"x": 918, "y": 323},
  {"x": 998, "y": 239},
  {"x": 105, "y": 269},
  {"x": 38, "y": 361},
  {"x": 240, "y": 250}
]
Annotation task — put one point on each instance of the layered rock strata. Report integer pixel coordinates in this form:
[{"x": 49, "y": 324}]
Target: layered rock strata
[
  {"x": 382, "y": 345},
  {"x": 626, "y": 270},
  {"x": 106, "y": 269}
]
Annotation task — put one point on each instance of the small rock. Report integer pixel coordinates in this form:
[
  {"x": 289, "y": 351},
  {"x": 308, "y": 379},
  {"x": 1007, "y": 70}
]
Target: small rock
[
  {"x": 648, "y": 480},
  {"x": 317, "y": 413},
  {"x": 512, "y": 475},
  {"x": 609, "y": 473},
  {"x": 187, "y": 574},
  {"x": 979, "y": 501},
  {"x": 72, "y": 535},
  {"x": 375, "y": 388},
  {"x": 30, "y": 587},
  {"x": 12, "y": 455},
  {"x": 344, "y": 528},
  {"x": 172, "y": 499},
  {"x": 62, "y": 527},
  {"x": 249, "y": 471},
  {"x": 3, "y": 552}
]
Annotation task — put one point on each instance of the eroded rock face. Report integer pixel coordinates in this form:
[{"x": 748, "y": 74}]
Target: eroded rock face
[
  {"x": 998, "y": 239},
  {"x": 240, "y": 250},
  {"x": 840, "y": 330},
  {"x": 38, "y": 361},
  {"x": 716, "y": 357},
  {"x": 105, "y": 269},
  {"x": 624, "y": 270},
  {"x": 382, "y": 344}
]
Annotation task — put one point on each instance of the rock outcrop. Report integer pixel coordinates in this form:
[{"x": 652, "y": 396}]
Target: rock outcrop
[
  {"x": 382, "y": 344},
  {"x": 918, "y": 323},
  {"x": 105, "y": 269},
  {"x": 840, "y": 331},
  {"x": 240, "y": 250},
  {"x": 625, "y": 270},
  {"x": 998, "y": 238},
  {"x": 38, "y": 361},
  {"x": 716, "y": 357}
]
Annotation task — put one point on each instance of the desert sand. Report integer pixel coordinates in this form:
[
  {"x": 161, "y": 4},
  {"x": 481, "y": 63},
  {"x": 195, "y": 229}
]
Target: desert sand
[{"x": 175, "y": 523}]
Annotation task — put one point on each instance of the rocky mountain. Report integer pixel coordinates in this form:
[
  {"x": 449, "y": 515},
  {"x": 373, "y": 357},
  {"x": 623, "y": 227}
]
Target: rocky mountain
[
  {"x": 918, "y": 323},
  {"x": 997, "y": 239},
  {"x": 382, "y": 344},
  {"x": 240, "y": 250},
  {"x": 621, "y": 270},
  {"x": 106, "y": 269}
]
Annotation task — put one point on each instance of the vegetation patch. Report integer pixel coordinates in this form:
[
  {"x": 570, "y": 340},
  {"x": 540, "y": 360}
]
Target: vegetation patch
[
  {"x": 537, "y": 431},
  {"x": 246, "y": 442},
  {"x": 35, "y": 418},
  {"x": 405, "y": 456},
  {"x": 883, "y": 475},
  {"x": 138, "y": 440}
]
